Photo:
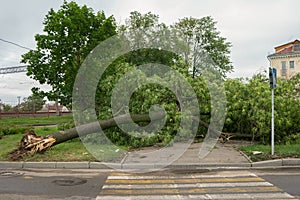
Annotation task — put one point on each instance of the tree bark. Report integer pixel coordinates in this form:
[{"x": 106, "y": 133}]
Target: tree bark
[{"x": 86, "y": 129}]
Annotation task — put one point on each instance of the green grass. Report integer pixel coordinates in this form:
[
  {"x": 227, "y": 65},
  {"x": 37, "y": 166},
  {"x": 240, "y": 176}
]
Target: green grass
[
  {"x": 280, "y": 151},
  {"x": 72, "y": 150},
  {"x": 7, "y": 144},
  {"x": 36, "y": 120}
]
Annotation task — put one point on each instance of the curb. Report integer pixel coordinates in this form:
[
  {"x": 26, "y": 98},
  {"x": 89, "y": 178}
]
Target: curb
[{"x": 278, "y": 163}]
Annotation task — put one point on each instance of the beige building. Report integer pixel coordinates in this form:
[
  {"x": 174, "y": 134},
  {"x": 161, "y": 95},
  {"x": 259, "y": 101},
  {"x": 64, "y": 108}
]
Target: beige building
[{"x": 286, "y": 59}]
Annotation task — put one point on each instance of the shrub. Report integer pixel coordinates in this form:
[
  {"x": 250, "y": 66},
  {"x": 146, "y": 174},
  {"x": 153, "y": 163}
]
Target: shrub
[{"x": 12, "y": 130}]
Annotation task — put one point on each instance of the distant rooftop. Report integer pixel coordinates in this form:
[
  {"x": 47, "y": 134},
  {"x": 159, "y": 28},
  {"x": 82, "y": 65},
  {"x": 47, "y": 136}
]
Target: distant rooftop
[{"x": 287, "y": 49}]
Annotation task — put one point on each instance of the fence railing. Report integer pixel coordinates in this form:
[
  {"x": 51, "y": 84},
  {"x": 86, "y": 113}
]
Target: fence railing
[{"x": 33, "y": 114}]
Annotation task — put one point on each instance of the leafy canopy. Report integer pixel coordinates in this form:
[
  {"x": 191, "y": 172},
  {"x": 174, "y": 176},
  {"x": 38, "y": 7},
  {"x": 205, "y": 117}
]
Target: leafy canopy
[
  {"x": 69, "y": 35},
  {"x": 202, "y": 37}
]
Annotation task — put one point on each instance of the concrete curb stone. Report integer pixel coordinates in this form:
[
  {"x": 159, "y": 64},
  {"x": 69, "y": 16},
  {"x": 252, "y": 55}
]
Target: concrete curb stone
[
  {"x": 292, "y": 162},
  {"x": 267, "y": 163},
  {"x": 97, "y": 165},
  {"x": 43, "y": 165},
  {"x": 11, "y": 165},
  {"x": 72, "y": 165}
]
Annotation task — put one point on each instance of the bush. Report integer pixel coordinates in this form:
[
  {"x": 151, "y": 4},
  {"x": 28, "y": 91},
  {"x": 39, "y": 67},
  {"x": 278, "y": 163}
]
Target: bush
[
  {"x": 249, "y": 108},
  {"x": 66, "y": 126},
  {"x": 12, "y": 130},
  {"x": 292, "y": 139}
]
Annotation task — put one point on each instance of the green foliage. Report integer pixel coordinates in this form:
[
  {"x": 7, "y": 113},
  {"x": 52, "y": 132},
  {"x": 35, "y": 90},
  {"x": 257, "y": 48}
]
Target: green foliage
[
  {"x": 6, "y": 107},
  {"x": 70, "y": 34},
  {"x": 249, "y": 108},
  {"x": 66, "y": 125},
  {"x": 32, "y": 103},
  {"x": 293, "y": 139},
  {"x": 13, "y": 130},
  {"x": 146, "y": 28},
  {"x": 201, "y": 35}
]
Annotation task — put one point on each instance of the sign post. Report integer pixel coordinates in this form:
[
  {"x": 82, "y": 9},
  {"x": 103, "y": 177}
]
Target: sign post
[{"x": 272, "y": 77}]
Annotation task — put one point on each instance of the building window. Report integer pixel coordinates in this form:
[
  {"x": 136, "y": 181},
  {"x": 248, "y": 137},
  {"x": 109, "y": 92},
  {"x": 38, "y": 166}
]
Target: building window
[
  {"x": 292, "y": 64},
  {"x": 283, "y": 67},
  {"x": 296, "y": 47}
]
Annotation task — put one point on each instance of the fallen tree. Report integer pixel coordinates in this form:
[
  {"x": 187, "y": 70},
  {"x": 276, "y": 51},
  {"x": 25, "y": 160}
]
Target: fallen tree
[{"x": 31, "y": 143}]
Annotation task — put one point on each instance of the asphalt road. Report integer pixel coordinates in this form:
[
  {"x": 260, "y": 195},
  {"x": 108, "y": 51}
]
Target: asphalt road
[
  {"x": 52, "y": 184},
  {"x": 90, "y": 184},
  {"x": 288, "y": 180}
]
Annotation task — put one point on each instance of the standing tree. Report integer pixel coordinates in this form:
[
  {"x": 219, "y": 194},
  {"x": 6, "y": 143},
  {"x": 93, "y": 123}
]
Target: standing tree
[
  {"x": 70, "y": 34},
  {"x": 202, "y": 37},
  {"x": 33, "y": 103},
  {"x": 144, "y": 29},
  {"x": 6, "y": 107}
]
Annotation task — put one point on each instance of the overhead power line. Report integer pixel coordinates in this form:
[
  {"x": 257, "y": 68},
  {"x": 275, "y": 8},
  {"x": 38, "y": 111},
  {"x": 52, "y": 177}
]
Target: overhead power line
[
  {"x": 16, "y": 69},
  {"x": 13, "y": 43}
]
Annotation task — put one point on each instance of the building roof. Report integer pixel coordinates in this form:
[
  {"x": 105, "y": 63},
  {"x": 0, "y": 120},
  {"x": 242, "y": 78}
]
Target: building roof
[
  {"x": 284, "y": 55},
  {"x": 290, "y": 43},
  {"x": 285, "y": 50}
]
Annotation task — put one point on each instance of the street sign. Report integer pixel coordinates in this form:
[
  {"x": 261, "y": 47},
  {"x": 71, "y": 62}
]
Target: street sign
[{"x": 272, "y": 77}]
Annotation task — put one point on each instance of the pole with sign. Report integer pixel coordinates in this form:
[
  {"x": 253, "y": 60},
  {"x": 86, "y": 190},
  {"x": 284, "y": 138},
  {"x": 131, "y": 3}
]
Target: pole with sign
[{"x": 272, "y": 78}]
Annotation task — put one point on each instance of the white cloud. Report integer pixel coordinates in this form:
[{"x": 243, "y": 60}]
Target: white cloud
[{"x": 13, "y": 85}]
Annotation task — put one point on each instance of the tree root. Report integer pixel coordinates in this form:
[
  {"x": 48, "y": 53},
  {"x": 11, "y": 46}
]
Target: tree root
[{"x": 31, "y": 144}]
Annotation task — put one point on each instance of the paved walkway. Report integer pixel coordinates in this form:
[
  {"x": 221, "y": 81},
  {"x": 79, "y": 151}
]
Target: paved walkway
[{"x": 223, "y": 154}]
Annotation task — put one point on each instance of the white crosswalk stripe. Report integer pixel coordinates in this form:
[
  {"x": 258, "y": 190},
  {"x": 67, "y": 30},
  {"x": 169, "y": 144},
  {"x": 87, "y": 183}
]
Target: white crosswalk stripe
[{"x": 242, "y": 185}]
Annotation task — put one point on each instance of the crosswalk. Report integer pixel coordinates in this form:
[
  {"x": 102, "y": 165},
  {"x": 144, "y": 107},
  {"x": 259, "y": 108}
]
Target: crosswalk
[{"x": 226, "y": 185}]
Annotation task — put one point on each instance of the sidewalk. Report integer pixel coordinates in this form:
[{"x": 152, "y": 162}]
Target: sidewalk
[
  {"x": 221, "y": 155},
  {"x": 225, "y": 156}
]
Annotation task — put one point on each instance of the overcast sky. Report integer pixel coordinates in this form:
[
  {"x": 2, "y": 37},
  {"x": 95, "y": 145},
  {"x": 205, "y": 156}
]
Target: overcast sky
[{"x": 254, "y": 27}]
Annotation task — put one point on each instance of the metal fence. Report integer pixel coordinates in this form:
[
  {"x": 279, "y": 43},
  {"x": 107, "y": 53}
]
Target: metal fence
[{"x": 32, "y": 114}]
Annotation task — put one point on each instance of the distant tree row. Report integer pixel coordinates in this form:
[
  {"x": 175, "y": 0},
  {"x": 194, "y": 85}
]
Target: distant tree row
[{"x": 33, "y": 102}]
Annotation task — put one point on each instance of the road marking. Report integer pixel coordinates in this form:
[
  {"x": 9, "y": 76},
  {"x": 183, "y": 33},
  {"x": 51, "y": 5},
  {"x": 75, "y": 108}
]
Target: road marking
[
  {"x": 27, "y": 177},
  {"x": 262, "y": 196},
  {"x": 197, "y": 185},
  {"x": 136, "y": 177},
  {"x": 158, "y": 180},
  {"x": 244, "y": 185},
  {"x": 190, "y": 190}
]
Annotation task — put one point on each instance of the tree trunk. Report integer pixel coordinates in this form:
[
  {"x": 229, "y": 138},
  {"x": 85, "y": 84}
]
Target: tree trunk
[
  {"x": 69, "y": 134},
  {"x": 31, "y": 143}
]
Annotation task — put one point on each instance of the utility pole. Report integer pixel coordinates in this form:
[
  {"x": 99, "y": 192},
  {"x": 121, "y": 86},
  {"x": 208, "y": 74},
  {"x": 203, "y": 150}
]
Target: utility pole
[
  {"x": 19, "y": 97},
  {"x": 272, "y": 125}
]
